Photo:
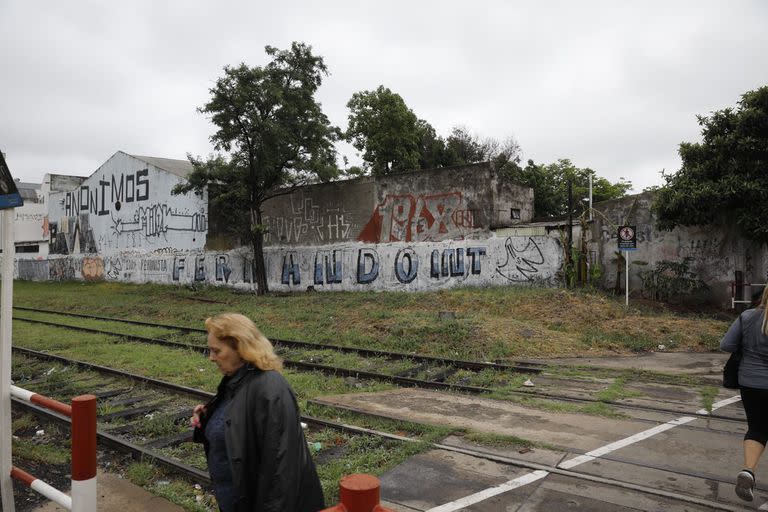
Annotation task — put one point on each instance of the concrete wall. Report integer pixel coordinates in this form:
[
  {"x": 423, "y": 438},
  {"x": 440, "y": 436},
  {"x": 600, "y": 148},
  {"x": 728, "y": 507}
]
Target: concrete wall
[
  {"x": 126, "y": 205},
  {"x": 716, "y": 251},
  {"x": 60, "y": 183},
  {"x": 319, "y": 214},
  {"x": 415, "y": 231},
  {"x": 30, "y": 226},
  {"x": 349, "y": 266},
  {"x": 453, "y": 203}
]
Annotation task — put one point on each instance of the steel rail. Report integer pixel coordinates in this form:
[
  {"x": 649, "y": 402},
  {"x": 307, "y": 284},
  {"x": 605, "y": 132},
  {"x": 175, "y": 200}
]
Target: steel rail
[
  {"x": 196, "y": 473},
  {"x": 202, "y": 477},
  {"x": 523, "y": 367},
  {"x": 197, "y": 393},
  {"x": 565, "y": 449},
  {"x": 686, "y": 498},
  {"x": 110, "y": 319},
  {"x": 344, "y": 372},
  {"x": 205, "y": 395},
  {"x": 332, "y": 370},
  {"x": 136, "y": 451}
]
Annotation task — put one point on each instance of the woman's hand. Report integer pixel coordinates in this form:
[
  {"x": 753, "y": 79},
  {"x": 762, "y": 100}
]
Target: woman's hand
[{"x": 197, "y": 413}]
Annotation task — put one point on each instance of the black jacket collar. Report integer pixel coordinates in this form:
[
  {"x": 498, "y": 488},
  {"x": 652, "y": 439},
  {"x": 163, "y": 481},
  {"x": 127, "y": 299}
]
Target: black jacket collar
[{"x": 231, "y": 382}]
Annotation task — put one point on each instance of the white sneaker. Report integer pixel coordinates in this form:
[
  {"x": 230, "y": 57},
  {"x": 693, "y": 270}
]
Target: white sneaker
[{"x": 745, "y": 485}]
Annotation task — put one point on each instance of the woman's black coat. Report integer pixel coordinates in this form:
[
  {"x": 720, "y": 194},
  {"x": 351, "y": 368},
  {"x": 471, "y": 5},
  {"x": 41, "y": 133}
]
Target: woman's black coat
[{"x": 272, "y": 469}]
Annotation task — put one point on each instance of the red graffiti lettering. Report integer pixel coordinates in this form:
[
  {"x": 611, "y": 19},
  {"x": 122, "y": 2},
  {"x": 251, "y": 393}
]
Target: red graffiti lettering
[{"x": 405, "y": 218}]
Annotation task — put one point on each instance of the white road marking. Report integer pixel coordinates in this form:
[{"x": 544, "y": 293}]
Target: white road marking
[
  {"x": 491, "y": 492},
  {"x": 721, "y": 403},
  {"x": 581, "y": 459},
  {"x": 622, "y": 443}
]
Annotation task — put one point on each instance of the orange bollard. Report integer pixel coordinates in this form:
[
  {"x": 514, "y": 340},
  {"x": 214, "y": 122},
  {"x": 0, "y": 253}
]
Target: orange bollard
[{"x": 359, "y": 493}]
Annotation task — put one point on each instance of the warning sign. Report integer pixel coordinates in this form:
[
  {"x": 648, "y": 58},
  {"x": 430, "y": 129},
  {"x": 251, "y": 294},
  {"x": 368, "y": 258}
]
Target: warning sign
[
  {"x": 627, "y": 238},
  {"x": 9, "y": 194}
]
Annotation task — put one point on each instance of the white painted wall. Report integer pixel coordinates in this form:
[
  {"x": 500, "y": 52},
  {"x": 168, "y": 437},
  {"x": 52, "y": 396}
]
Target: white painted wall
[
  {"x": 30, "y": 227},
  {"x": 126, "y": 205},
  {"x": 416, "y": 266},
  {"x": 351, "y": 266}
]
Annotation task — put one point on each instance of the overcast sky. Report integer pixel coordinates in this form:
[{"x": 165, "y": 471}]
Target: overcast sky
[{"x": 614, "y": 85}]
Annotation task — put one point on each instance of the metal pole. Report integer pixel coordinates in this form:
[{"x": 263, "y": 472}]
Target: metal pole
[
  {"x": 6, "y": 294},
  {"x": 570, "y": 220},
  {"x": 626, "y": 275},
  {"x": 590, "y": 196}
]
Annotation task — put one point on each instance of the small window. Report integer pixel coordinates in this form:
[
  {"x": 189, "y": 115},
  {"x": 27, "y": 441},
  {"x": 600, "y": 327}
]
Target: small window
[
  {"x": 514, "y": 213},
  {"x": 27, "y": 248}
]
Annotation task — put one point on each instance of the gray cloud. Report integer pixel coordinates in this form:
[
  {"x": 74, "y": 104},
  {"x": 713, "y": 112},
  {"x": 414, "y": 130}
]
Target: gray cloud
[{"x": 614, "y": 86}]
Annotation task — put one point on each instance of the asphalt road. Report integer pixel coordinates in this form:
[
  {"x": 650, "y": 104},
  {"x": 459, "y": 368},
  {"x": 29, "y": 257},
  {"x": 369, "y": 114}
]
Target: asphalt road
[{"x": 666, "y": 451}]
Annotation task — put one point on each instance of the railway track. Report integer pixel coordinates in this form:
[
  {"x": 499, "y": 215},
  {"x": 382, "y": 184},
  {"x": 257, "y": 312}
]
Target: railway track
[
  {"x": 147, "y": 418},
  {"x": 404, "y": 369},
  {"x": 520, "y": 366}
]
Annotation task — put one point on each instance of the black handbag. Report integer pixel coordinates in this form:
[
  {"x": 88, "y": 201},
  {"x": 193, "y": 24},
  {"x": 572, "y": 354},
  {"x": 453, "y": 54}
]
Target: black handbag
[{"x": 731, "y": 371}]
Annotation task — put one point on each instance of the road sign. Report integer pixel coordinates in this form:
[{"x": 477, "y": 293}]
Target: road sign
[
  {"x": 9, "y": 194},
  {"x": 627, "y": 238}
]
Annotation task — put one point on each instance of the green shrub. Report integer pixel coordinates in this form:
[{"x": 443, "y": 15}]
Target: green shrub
[{"x": 671, "y": 280}]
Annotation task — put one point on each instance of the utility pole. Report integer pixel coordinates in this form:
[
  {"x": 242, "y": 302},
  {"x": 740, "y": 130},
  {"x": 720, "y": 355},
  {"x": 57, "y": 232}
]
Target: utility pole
[
  {"x": 9, "y": 199},
  {"x": 570, "y": 220}
]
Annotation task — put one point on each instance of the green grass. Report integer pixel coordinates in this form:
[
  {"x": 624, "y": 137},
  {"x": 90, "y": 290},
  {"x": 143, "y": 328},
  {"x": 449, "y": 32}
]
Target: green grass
[
  {"x": 141, "y": 473},
  {"x": 23, "y": 422},
  {"x": 365, "y": 454},
  {"x": 490, "y": 324},
  {"x": 189, "y": 496},
  {"x": 626, "y": 375},
  {"x": 708, "y": 394},
  {"x": 615, "y": 391},
  {"x": 592, "y": 408},
  {"x": 42, "y": 453},
  {"x": 185, "y": 495},
  {"x": 43, "y": 449},
  {"x": 420, "y": 431},
  {"x": 502, "y": 441}
]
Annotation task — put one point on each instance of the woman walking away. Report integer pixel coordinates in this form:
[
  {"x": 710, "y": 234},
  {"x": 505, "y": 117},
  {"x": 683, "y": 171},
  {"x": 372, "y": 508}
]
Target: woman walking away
[
  {"x": 257, "y": 454},
  {"x": 750, "y": 334}
]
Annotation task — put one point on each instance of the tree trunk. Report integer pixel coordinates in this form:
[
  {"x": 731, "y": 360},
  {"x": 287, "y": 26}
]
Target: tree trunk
[
  {"x": 259, "y": 269},
  {"x": 257, "y": 243}
]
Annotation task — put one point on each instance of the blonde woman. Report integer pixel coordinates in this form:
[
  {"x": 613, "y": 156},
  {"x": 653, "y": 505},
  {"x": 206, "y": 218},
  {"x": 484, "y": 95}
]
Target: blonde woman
[
  {"x": 750, "y": 334},
  {"x": 257, "y": 454}
]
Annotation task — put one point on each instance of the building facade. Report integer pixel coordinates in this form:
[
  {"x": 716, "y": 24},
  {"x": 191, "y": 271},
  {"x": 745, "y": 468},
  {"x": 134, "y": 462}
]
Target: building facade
[
  {"x": 128, "y": 205},
  {"x": 452, "y": 203},
  {"x": 125, "y": 207},
  {"x": 416, "y": 231},
  {"x": 716, "y": 253}
]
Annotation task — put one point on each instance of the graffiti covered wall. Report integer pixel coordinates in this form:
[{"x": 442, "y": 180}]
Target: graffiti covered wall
[
  {"x": 714, "y": 252},
  {"x": 126, "y": 205},
  {"x": 350, "y": 266},
  {"x": 454, "y": 203},
  {"x": 319, "y": 214}
]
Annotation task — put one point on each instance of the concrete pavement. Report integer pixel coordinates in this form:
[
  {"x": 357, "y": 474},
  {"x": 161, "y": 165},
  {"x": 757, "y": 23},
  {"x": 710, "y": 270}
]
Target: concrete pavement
[{"x": 120, "y": 495}]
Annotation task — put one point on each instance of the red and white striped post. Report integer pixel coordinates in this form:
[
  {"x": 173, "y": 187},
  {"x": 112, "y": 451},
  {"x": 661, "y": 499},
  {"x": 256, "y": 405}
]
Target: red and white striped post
[
  {"x": 84, "y": 453},
  {"x": 83, "y": 414}
]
